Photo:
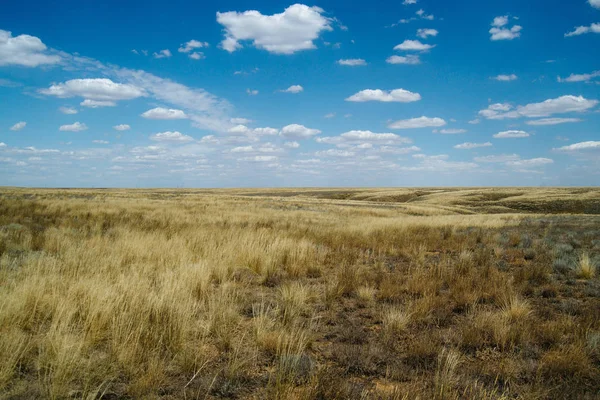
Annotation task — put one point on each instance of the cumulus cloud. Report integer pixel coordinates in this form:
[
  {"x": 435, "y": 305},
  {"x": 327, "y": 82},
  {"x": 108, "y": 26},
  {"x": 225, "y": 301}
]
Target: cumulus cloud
[
  {"x": 396, "y": 95},
  {"x": 292, "y": 145},
  {"x": 408, "y": 2},
  {"x": 499, "y": 31},
  {"x": 251, "y": 92},
  {"x": 97, "y": 103},
  {"x": 410, "y": 60},
  {"x": 451, "y": 131},
  {"x": 75, "y": 127},
  {"x": 589, "y": 146},
  {"x": 531, "y": 163},
  {"x": 100, "y": 141},
  {"x": 580, "y": 30},
  {"x": 420, "y": 122},
  {"x": 352, "y": 62},
  {"x": 293, "y": 89},
  {"x": 166, "y": 53},
  {"x": 580, "y": 77},
  {"x": 68, "y": 110},
  {"x": 171, "y": 137},
  {"x": 413, "y": 45},
  {"x": 469, "y": 145},
  {"x": 99, "y": 92},
  {"x": 505, "y": 78},
  {"x": 439, "y": 163},
  {"x": 18, "y": 126},
  {"x": 335, "y": 153},
  {"x": 164, "y": 113},
  {"x": 240, "y": 121},
  {"x": 190, "y": 46},
  {"x": 511, "y": 134},
  {"x": 293, "y": 30},
  {"x": 251, "y": 133},
  {"x": 552, "y": 121},
  {"x": 295, "y": 131},
  {"x": 594, "y": 3},
  {"x": 501, "y": 158},
  {"x": 364, "y": 137},
  {"x": 560, "y": 105},
  {"x": 122, "y": 127},
  {"x": 24, "y": 50},
  {"x": 424, "y": 33}
]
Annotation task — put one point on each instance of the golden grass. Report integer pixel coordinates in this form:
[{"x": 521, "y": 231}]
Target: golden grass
[{"x": 295, "y": 293}]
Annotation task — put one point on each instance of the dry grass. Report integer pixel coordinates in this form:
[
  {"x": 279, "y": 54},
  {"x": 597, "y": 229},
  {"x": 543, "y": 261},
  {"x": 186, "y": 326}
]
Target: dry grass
[{"x": 299, "y": 293}]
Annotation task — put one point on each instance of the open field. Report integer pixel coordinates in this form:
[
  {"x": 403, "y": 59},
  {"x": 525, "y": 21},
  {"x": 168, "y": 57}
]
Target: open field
[{"x": 300, "y": 293}]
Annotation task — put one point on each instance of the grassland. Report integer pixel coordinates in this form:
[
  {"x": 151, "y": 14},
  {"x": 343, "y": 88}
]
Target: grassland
[{"x": 300, "y": 294}]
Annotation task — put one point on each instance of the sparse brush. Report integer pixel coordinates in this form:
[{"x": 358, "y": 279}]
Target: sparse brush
[
  {"x": 366, "y": 294},
  {"x": 294, "y": 298},
  {"x": 516, "y": 309},
  {"x": 586, "y": 269},
  {"x": 396, "y": 320},
  {"x": 445, "y": 373}
]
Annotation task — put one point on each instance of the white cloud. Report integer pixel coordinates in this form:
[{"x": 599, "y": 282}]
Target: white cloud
[
  {"x": 580, "y": 77},
  {"x": 292, "y": 145},
  {"x": 511, "y": 134},
  {"x": 260, "y": 158},
  {"x": 352, "y": 62},
  {"x": 424, "y": 33},
  {"x": 330, "y": 115},
  {"x": 164, "y": 113},
  {"x": 251, "y": 92},
  {"x": 439, "y": 163},
  {"x": 409, "y": 59},
  {"x": 408, "y": 2},
  {"x": 475, "y": 121},
  {"x": 18, "y": 126},
  {"x": 421, "y": 122},
  {"x": 240, "y": 121},
  {"x": 197, "y": 55},
  {"x": 531, "y": 163},
  {"x": 421, "y": 13},
  {"x": 505, "y": 78},
  {"x": 499, "y": 32},
  {"x": 171, "y": 137},
  {"x": 580, "y": 30},
  {"x": 191, "y": 46},
  {"x": 76, "y": 127},
  {"x": 413, "y": 45},
  {"x": 2, "y": 144},
  {"x": 560, "y": 105},
  {"x": 122, "y": 127},
  {"x": 24, "y": 50},
  {"x": 594, "y": 3},
  {"x": 469, "y": 145},
  {"x": 580, "y": 147},
  {"x": 100, "y": 141},
  {"x": 451, "y": 131},
  {"x": 166, "y": 53},
  {"x": 68, "y": 110},
  {"x": 552, "y": 121},
  {"x": 97, "y": 103},
  {"x": 399, "y": 150},
  {"x": 98, "y": 90},
  {"x": 293, "y": 89},
  {"x": 501, "y": 158},
  {"x": 335, "y": 153},
  {"x": 243, "y": 130},
  {"x": 364, "y": 137},
  {"x": 295, "y": 131},
  {"x": 396, "y": 95},
  {"x": 293, "y": 30}
]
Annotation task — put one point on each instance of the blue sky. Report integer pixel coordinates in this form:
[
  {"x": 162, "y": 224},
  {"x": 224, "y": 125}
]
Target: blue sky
[{"x": 333, "y": 93}]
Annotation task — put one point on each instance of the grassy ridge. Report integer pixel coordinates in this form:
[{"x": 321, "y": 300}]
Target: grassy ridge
[{"x": 300, "y": 294}]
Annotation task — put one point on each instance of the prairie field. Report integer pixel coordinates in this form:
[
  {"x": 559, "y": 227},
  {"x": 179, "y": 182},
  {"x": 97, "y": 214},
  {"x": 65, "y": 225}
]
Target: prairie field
[{"x": 429, "y": 293}]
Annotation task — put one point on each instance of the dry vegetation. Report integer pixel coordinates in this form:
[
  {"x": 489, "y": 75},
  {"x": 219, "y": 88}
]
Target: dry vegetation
[{"x": 300, "y": 294}]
